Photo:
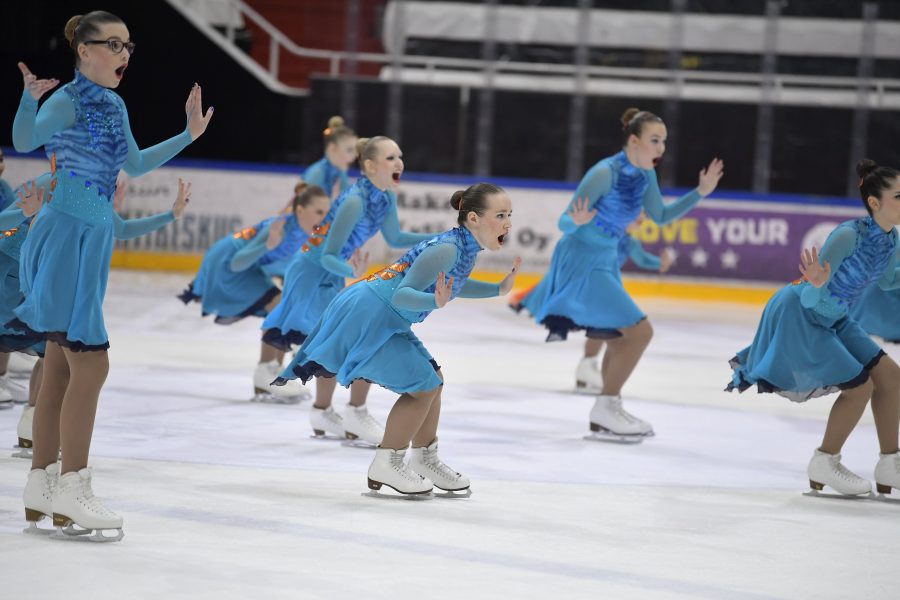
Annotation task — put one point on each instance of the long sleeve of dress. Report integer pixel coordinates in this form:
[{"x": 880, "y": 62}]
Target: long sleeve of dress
[
  {"x": 891, "y": 278},
  {"x": 474, "y": 288},
  {"x": 665, "y": 213},
  {"x": 32, "y": 128},
  {"x": 594, "y": 185},
  {"x": 11, "y": 217},
  {"x": 641, "y": 257},
  {"x": 390, "y": 229},
  {"x": 839, "y": 245},
  {"x": 140, "y": 161},
  {"x": 132, "y": 228},
  {"x": 346, "y": 218},
  {"x": 7, "y": 197},
  {"x": 423, "y": 273},
  {"x": 254, "y": 250}
]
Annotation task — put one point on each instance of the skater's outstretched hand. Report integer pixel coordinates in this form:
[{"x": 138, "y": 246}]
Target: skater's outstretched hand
[
  {"x": 31, "y": 198},
  {"x": 816, "y": 274},
  {"x": 710, "y": 176},
  {"x": 510, "y": 280},
  {"x": 193, "y": 108},
  {"x": 581, "y": 211},
  {"x": 34, "y": 86},
  {"x": 184, "y": 196},
  {"x": 665, "y": 260},
  {"x": 442, "y": 290},
  {"x": 276, "y": 234},
  {"x": 359, "y": 262}
]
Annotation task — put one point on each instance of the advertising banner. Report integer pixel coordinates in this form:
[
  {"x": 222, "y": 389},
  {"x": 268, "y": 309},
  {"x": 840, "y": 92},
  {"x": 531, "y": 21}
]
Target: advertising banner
[{"x": 743, "y": 240}]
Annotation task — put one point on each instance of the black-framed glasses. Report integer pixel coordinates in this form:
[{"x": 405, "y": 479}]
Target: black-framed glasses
[{"x": 115, "y": 46}]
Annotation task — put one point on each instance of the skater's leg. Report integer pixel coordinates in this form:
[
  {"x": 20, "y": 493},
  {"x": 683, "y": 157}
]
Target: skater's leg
[
  {"x": 406, "y": 418},
  {"x": 46, "y": 424},
  {"x": 88, "y": 371},
  {"x": 269, "y": 353},
  {"x": 324, "y": 391},
  {"x": 4, "y": 363},
  {"x": 273, "y": 303},
  {"x": 359, "y": 391},
  {"x": 427, "y": 433},
  {"x": 886, "y": 403},
  {"x": 844, "y": 416},
  {"x": 622, "y": 355},
  {"x": 592, "y": 347},
  {"x": 34, "y": 384}
]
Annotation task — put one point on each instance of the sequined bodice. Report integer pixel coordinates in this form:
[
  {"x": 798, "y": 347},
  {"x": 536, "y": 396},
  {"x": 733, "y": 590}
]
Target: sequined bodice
[
  {"x": 623, "y": 203},
  {"x": 94, "y": 148}
]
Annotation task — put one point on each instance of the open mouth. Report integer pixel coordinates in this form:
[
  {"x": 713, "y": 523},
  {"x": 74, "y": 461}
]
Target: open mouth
[
  {"x": 396, "y": 177},
  {"x": 121, "y": 70},
  {"x": 656, "y": 160},
  {"x": 501, "y": 239}
]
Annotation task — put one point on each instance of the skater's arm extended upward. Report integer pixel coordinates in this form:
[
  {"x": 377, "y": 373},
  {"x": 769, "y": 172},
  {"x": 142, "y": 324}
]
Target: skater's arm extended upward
[{"x": 664, "y": 213}]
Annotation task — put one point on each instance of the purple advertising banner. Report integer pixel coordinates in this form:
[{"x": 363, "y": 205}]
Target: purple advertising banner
[{"x": 743, "y": 240}]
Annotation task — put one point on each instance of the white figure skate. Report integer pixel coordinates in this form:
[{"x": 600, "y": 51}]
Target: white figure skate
[
  {"x": 588, "y": 379},
  {"x": 21, "y": 364},
  {"x": 389, "y": 469},
  {"x": 16, "y": 391},
  {"x": 79, "y": 515},
  {"x": 23, "y": 431},
  {"x": 326, "y": 424},
  {"x": 361, "y": 428},
  {"x": 426, "y": 462},
  {"x": 887, "y": 476},
  {"x": 612, "y": 423},
  {"x": 826, "y": 469},
  {"x": 291, "y": 392},
  {"x": 38, "y": 498}
]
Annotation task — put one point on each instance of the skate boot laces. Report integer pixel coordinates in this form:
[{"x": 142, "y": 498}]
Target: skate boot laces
[
  {"x": 615, "y": 405},
  {"x": 433, "y": 462},
  {"x": 403, "y": 469},
  {"x": 842, "y": 471},
  {"x": 92, "y": 502}
]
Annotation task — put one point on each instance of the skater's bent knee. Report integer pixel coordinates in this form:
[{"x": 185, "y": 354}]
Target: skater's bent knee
[{"x": 886, "y": 374}]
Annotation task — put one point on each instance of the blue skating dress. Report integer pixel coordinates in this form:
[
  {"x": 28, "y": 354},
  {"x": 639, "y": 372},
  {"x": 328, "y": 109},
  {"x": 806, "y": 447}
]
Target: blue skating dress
[
  {"x": 366, "y": 332},
  {"x": 807, "y": 345},
  {"x": 583, "y": 288},
  {"x": 629, "y": 248},
  {"x": 6, "y": 195},
  {"x": 328, "y": 177},
  {"x": 13, "y": 231},
  {"x": 65, "y": 258},
  {"x": 235, "y": 277},
  {"x": 317, "y": 273},
  {"x": 878, "y": 312}
]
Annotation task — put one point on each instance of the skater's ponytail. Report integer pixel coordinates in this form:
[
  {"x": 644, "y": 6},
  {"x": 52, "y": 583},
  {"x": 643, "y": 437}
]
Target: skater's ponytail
[
  {"x": 336, "y": 131},
  {"x": 82, "y": 28},
  {"x": 873, "y": 180},
  {"x": 473, "y": 199},
  {"x": 633, "y": 121},
  {"x": 304, "y": 194}
]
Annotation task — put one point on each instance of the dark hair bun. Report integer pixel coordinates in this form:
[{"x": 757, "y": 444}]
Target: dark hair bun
[
  {"x": 71, "y": 26},
  {"x": 865, "y": 166},
  {"x": 456, "y": 199},
  {"x": 628, "y": 115}
]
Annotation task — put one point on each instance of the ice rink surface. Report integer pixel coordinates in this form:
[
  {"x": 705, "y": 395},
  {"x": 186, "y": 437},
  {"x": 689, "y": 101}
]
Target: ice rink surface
[{"x": 227, "y": 499}]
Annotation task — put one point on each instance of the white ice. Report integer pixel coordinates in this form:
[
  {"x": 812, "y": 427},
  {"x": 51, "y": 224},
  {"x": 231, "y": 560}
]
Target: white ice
[{"x": 227, "y": 499}]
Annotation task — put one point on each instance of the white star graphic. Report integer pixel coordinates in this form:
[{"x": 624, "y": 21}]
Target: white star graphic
[
  {"x": 729, "y": 259},
  {"x": 699, "y": 258},
  {"x": 672, "y": 253}
]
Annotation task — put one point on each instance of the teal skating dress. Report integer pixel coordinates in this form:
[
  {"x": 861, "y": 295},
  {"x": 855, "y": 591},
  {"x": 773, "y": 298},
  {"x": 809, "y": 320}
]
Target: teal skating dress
[
  {"x": 583, "y": 288},
  {"x": 235, "y": 277},
  {"x": 807, "y": 344},
  {"x": 366, "y": 331},
  {"x": 317, "y": 273},
  {"x": 65, "y": 258}
]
